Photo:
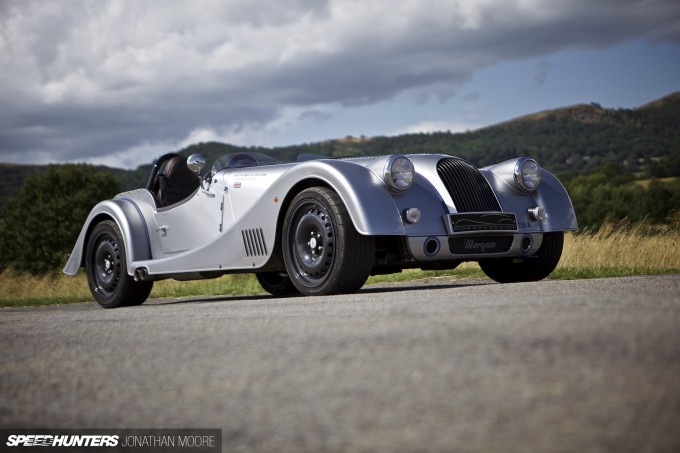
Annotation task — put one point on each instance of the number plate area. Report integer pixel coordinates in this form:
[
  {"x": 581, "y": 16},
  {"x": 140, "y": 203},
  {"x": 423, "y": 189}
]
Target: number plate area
[
  {"x": 479, "y": 245},
  {"x": 482, "y": 221}
]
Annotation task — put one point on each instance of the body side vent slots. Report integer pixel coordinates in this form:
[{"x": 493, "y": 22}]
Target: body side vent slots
[{"x": 253, "y": 242}]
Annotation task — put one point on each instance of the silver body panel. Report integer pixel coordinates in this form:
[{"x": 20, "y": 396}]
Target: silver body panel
[{"x": 231, "y": 223}]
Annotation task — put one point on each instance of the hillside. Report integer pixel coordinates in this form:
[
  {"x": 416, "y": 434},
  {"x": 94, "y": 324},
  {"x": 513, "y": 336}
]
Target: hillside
[
  {"x": 580, "y": 137},
  {"x": 574, "y": 138},
  {"x": 644, "y": 140}
]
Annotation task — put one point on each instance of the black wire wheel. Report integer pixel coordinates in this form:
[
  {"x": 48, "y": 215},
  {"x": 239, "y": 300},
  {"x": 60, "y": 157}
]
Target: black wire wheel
[
  {"x": 105, "y": 266},
  {"x": 530, "y": 269},
  {"x": 323, "y": 253}
]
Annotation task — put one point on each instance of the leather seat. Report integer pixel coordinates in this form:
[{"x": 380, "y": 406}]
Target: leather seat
[{"x": 175, "y": 181}]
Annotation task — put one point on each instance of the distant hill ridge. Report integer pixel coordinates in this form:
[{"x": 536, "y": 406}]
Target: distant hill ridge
[
  {"x": 580, "y": 137},
  {"x": 593, "y": 113}
]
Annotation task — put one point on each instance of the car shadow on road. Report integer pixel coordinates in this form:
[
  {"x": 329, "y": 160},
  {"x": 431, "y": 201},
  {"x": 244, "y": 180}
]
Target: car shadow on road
[
  {"x": 208, "y": 299},
  {"x": 378, "y": 288},
  {"x": 421, "y": 287}
]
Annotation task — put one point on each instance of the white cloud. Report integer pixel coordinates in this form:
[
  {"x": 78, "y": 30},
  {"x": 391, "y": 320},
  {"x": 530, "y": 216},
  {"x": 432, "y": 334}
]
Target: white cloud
[
  {"x": 123, "y": 77},
  {"x": 239, "y": 135},
  {"x": 142, "y": 153},
  {"x": 437, "y": 126}
]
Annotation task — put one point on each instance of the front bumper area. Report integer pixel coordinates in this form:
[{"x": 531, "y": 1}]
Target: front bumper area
[{"x": 474, "y": 246}]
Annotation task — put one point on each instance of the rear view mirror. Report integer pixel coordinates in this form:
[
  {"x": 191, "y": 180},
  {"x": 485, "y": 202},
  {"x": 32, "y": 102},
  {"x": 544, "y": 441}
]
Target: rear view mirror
[{"x": 196, "y": 162}]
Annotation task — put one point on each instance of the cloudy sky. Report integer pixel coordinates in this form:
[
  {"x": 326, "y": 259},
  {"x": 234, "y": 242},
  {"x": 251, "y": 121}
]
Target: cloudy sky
[{"x": 121, "y": 82}]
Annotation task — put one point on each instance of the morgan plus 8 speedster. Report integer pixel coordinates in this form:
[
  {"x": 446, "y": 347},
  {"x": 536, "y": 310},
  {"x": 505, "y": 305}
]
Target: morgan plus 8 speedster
[{"x": 322, "y": 226}]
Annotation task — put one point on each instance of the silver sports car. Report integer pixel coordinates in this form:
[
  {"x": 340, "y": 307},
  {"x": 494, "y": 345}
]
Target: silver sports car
[{"x": 322, "y": 226}]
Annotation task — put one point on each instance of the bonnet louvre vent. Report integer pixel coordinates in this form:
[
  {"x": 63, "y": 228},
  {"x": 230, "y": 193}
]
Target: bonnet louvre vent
[
  {"x": 467, "y": 186},
  {"x": 253, "y": 241}
]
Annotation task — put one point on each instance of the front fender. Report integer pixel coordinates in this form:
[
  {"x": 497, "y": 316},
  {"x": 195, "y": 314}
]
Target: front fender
[
  {"x": 132, "y": 225},
  {"x": 550, "y": 195},
  {"x": 369, "y": 204}
]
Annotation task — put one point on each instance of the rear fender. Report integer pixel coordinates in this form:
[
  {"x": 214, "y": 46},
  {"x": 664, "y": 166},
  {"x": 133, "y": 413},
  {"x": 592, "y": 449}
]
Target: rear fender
[{"x": 132, "y": 225}]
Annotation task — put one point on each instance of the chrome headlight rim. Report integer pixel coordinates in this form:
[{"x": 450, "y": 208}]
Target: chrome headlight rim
[
  {"x": 527, "y": 180},
  {"x": 400, "y": 179}
]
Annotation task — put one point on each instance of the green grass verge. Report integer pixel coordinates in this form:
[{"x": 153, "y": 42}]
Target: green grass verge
[
  {"x": 576, "y": 273},
  {"x": 467, "y": 271},
  {"x": 38, "y": 301}
]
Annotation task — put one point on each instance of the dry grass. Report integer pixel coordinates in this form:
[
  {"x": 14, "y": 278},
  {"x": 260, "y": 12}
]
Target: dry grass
[
  {"x": 27, "y": 289},
  {"x": 645, "y": 182},
  {"x": 637, "y": 249},
  {"x": 612, "y": 251},
  {"x": 58, "y": 288}
]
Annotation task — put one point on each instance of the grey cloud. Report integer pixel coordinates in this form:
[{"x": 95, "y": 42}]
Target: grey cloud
[
  {"x": 315, "y": 116},
  {"x": 469, "y": 97},
  {"x": 86, "y": 78}
]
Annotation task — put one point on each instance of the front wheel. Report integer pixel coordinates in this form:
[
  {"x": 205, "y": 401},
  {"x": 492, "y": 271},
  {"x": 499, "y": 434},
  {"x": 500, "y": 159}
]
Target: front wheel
[
  {"x": 105, "y": 266},
  {"x": 530, "y": 269},
  {"x": 322, "y": 251}
]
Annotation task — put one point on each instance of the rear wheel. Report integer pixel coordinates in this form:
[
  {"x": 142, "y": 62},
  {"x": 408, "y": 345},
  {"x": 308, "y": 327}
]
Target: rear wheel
[
  {"x": 105, "y": 266},
  {"x": 276, "y": 283},
  {"x": 531, "y": 269},
  {"x": 323, "y": 252}
]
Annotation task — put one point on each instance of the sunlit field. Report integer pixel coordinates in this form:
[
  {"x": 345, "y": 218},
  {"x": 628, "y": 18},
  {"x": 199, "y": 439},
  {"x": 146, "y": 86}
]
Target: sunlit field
[
  {"x": 620, "y": 251},
  {"x": 611, "y": 252}
]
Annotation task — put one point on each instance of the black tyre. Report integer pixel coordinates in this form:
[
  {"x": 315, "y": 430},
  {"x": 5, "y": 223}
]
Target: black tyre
[
  {"x": 106, "y": 270},
  {"x": 531, "y": 269},
  {"x": 276, "y": 283},
  {"x": 322, "y": 251}
]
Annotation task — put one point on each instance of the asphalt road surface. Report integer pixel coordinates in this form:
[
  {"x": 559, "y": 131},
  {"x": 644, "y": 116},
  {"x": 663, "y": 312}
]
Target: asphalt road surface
[{"x": 439, "y": 365}]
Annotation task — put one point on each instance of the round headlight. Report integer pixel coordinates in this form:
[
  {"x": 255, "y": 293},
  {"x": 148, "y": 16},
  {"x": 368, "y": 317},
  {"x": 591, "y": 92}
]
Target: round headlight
[
  {"x": 399, "y": 172},
  {"x": 527, "y": 174}
]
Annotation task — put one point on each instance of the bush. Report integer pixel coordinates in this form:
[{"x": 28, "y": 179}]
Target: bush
[
  {"x": 611, "y": 195},
  {"x": 39, "y": 226}
]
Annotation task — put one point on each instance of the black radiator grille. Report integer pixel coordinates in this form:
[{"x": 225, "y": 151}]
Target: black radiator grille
[{"x": 467, "y": 186}]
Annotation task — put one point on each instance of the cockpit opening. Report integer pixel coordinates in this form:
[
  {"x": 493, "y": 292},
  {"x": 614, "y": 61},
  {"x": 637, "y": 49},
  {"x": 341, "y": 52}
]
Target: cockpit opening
[{"x": 171, "y": 181}]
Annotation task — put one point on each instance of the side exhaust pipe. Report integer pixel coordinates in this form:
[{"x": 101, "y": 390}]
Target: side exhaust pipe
[{"x": 140, "y": 274}]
